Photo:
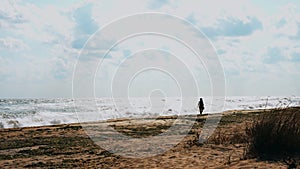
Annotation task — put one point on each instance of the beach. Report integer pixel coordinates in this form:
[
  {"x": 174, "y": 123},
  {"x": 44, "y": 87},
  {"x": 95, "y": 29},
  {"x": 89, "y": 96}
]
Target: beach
[
  {"x": 69, "y": 146},
  {"x": 149, "y": 84}
]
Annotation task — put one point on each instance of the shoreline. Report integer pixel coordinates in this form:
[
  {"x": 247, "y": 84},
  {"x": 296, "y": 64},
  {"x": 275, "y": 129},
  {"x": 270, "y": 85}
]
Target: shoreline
[
  {"x": 226, "y": 112},
  {"x": 41, "y": 112}
]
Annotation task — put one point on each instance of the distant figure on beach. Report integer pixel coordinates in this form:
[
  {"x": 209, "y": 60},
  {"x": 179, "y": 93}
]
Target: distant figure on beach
[{"x": 201, "y": 105}]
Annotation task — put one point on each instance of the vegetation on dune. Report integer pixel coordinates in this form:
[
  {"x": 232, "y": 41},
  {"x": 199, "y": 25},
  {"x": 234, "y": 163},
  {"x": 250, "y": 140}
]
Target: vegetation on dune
[
  {"x": 275, "y": 134},
  {"x": 269, "y": 135}
]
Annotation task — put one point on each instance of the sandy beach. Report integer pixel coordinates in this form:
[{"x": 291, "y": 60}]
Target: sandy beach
[{"x": 68, "y": 146}]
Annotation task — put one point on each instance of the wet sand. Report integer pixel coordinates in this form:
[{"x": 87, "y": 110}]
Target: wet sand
[{"x": 68, "y": 146}]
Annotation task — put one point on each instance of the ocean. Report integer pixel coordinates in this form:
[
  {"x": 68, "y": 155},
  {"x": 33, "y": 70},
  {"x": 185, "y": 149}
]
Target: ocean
[{"x": 40, "y": 112}]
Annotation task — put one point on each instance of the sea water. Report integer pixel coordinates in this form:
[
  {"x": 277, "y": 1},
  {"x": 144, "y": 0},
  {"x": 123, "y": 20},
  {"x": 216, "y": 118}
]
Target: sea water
[{"x": 39, "y": 112}]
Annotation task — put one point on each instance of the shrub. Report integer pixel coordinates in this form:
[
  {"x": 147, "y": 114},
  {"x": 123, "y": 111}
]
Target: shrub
[{"x": 275, "y": 134}]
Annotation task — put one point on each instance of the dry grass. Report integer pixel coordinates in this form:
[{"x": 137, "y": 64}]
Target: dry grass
[
  {"x": 234, "y": 136},
  {"x": 275, "y": 134}
]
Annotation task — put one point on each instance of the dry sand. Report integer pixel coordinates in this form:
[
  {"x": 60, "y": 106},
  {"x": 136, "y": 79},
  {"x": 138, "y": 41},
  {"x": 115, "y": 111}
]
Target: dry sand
[{"x": 68, "y": 146}]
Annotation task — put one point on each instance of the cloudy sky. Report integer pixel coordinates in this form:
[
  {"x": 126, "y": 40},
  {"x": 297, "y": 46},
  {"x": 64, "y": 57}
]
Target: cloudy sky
[{"x": 257, "y": 42}]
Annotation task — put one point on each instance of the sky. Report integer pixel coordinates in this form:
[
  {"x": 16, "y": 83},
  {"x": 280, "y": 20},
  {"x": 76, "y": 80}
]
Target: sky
[{"x": 256, "y": 42}]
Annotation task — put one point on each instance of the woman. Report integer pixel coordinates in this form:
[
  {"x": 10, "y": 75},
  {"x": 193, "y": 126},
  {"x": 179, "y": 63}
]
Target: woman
[{"x": 201, "y": 105}]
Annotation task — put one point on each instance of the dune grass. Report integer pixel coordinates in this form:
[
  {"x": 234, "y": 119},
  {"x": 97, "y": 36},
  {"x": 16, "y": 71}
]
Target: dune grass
[{"x": 275, "y": 134}]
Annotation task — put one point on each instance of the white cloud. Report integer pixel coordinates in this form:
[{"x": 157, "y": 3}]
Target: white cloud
[
  {"x": 3, "y": 65},
  {"x": 12, "y": 44},
  {"x": 9, "y": 15},
  {"x": 104, "y": 13},
  {"x": 44, "y": 24}
]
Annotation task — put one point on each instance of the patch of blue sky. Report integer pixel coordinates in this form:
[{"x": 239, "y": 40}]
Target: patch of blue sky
[
  {"x": 295, "y": 57},
  {"x": 156, "y": 4},
  {"x": 85, "y": 26},
  {"x": 191, "y": 18},
  {"x": 233, "y": 27},
  {"x": 221, "y": 51},
  {"x": 84, "y": 20},
  {"x": 79, "y": 42},
  {"x": 60, "y": 73},
  {"x": 231, "y": 72},
  {"x": 281, "y": 23},
  {"x": 126, "y": 53},
  {"x": 273, "y": 56}
]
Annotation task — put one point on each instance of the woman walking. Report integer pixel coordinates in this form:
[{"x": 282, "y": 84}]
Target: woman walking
[{"x": 201, "y": 106}]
